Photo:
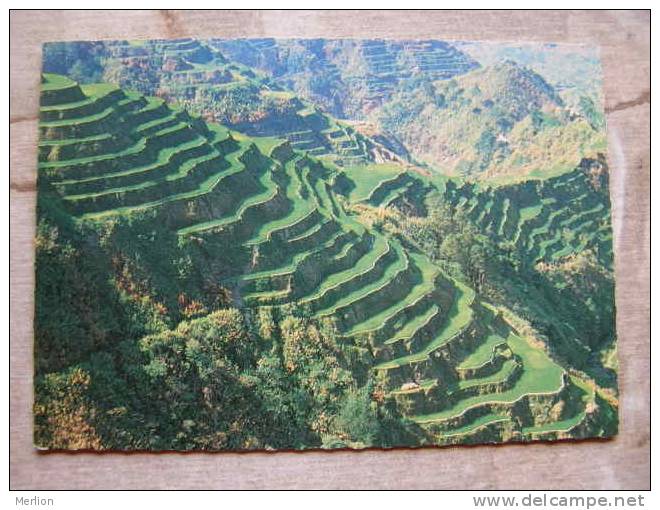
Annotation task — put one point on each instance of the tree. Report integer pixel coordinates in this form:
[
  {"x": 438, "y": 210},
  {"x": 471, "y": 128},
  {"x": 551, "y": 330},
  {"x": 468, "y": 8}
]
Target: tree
[{"x": 357, "y": 419}]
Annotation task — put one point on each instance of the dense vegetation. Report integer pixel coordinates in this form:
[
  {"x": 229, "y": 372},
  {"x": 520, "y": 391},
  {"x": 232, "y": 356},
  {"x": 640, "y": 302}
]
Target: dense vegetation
[{"x": 207, "y": 281}]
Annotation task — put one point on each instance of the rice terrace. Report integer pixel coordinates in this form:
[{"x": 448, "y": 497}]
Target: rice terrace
[{"x": 312, "y": 243}]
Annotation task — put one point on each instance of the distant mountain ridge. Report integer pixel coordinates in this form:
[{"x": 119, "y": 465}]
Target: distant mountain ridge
[
  {"x": 502, "y": 122},
  {"x": 347, "y": 77}
]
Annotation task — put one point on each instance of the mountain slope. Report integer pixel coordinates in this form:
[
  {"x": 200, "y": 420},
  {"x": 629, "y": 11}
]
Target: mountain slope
[
  {"x": 502, "y": 122},
  {"x": 240, "y": 287},
  {"x": 348, "y": 78},
  {"x": 198, "y": 77},
  {"x": 572, "y": 70}
]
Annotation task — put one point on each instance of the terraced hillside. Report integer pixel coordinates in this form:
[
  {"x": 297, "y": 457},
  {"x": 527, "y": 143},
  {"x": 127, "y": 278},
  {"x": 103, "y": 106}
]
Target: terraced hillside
[
  {"x": 384, "y": 186},
  {"x": 421, "y": 102},
  {"x": 254, "y": 223},
  {"x": 348, "y": 77},
  {"x": 547, "y": 220},
  {"x": 199, "y": 78},
  {"x": 497, "y": 121}
]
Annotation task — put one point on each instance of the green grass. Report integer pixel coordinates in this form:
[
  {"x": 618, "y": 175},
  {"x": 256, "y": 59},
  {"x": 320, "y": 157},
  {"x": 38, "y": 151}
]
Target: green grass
[
  {"x": 568, "y": 423},
  {"x": 564, "y": 252},
  {"x": 218, "y": 134},
  {"x": 73, "y": 141},
  {"x": 505, "y": 213},
  {"x": 55, "y": 82},
  {"x": 300, "y": 211},
  {"x": 279, "y": 94},
  {"x": 395, "y": 193},
  {"x": 543, "y": 229},
  {"x": 153, "y": 103},
  {"x": 573, "y": 221},
  {"x": 266, "y": 144},
  {"x": 62, "y": 107},
  {"x": 297, "y": 258},
  {"x": 205, "y": 187},
  {"x": 501, "y": 375},
  {"x": 344, "y": 251},
  {"x": 320, "y": 191},
  {"x": 472, "y": 205},
  {"x": 98, "y": 89},
  {"x": 171, "y": 116},
  {"x": 299, "y": 208},
  {"x": 182, "y": 171},
  {"x": 365, "y": 264},
  {"x": 547, "y": 243},
  {"x": 136, "y": 148},
  {"x": 163, "y": 158},
  {"x": 310, "y": 231},
  {"x": 413, "y": 325},
  {"x": 253, "y": 200},
  {"x": 400, "y": 265},
  {"x": 557, "y": 426},
  {"x": 461, "y": 202},
  {"x": 306, "y": 110},
  {"x": 526, "y": 214},
  {"x": 79, "y": 121},
  {"x": 484, "y": 211}
]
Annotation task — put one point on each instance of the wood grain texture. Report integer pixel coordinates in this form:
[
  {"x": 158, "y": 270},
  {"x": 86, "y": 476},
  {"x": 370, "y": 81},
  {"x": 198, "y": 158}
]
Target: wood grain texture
[{"x": 621, "y": 463}]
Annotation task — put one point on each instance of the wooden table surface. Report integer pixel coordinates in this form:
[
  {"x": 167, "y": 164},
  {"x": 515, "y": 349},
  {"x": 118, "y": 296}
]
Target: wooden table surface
[{"x": 621, "y": 463}]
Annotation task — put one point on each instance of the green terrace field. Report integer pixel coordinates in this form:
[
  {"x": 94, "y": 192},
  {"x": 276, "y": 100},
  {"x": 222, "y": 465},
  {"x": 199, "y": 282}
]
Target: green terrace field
[
  {"x": 458, "y": 317},
  {"x": 261, "y": 222},
  {"x": 203, "y": 81},
  {"x": 540, "y": 376},
  {"x": 367, "y": 179},
  {"x": 385, "y": 185},
  {"x": 545, "y": 220}
]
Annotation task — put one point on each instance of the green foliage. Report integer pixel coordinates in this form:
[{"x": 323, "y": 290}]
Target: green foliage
[
  {"x": 453, "y": 242},
  {"x": 70, "y": 321},
  {"x": 208, "y": 384},
  {"x": 79, "y": 60},
  {"x": 358, "y": 418},
  {"x": 64, "y": 413}
]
